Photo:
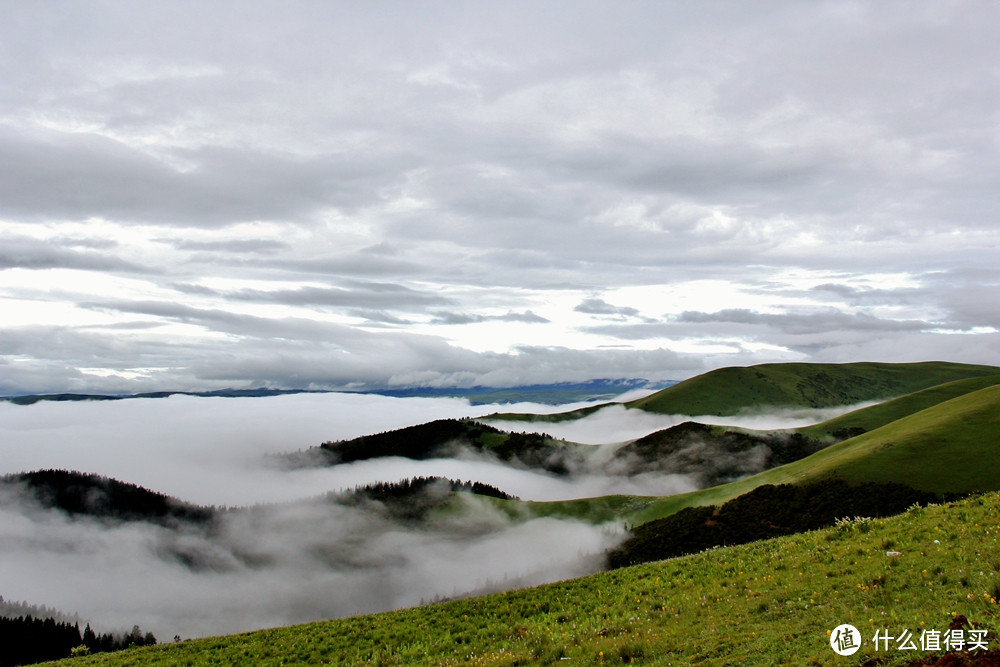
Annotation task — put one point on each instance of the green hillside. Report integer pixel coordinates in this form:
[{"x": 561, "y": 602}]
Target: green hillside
[
  {"x": 870, "y": 418},
  {"x": 947, "y": 448},
  {"x": 866, "y": 420},
  {"x": 950, "y": 446},
  {"x": 727, "y": 391},
  {"x": 764, "y": 603}
]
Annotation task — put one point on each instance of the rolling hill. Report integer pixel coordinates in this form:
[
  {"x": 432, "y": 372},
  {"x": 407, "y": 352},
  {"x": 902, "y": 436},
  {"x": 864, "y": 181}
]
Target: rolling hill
[
  {"x": 732, "y": 390},
  {"x": 727, "y": 391},
  {"x": 867, "y": 419},
  {"x": 445, "y": 438},
  {"x": 946, "y": 448}
]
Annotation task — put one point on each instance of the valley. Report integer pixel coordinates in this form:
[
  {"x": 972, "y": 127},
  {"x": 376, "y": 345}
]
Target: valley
[{"x": 914, "y": 443}]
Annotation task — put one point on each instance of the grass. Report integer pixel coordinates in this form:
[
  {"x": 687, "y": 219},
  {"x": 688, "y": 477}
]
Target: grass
[
  {"x": 766, "y": 603},
  {"x": 554, "y": 418},
  {"x": 601, "y": 509},
  {"x": 948, "y": 447},
  {"x": 727, "y": 391},
  {"x": 935, "y": 439},
  {"x": 875, "y": 416}
]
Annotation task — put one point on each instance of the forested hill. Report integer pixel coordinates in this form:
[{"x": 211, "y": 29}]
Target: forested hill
[
  {"x": 445, "y": 438},
  {"x": 100, "y": 497}
]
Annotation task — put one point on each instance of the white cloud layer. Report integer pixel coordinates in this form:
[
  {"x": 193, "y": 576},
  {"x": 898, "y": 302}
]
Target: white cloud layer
[
  {"x": 197, "y": 196},
  {"x": 292, "y": 559},
  {"x": 310, "y": 561}
]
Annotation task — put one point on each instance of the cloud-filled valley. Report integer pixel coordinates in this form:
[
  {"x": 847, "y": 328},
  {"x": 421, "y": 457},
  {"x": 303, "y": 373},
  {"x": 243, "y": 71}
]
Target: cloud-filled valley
[
  {"x": 285, "y": 552},
  {"x": 277, "y": 564},
  {"x": 310, "y": 559}
]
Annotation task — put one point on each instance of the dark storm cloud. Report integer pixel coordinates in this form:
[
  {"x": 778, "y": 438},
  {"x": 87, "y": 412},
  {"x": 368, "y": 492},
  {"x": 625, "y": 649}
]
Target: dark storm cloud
[
  {"x": 802, "y": 323},
  {"x": 379, "y": 318},
  {"x": 737, "y": 321}
]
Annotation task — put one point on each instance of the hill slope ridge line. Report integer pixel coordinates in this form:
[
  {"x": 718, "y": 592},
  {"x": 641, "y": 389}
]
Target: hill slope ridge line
[
  {"x": 727, "y": 391},
  {"x": 942, "y": 449}
]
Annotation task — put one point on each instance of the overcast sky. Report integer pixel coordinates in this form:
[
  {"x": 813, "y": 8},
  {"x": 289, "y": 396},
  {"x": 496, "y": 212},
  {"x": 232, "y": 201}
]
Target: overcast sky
[{"x": 310, "y": 194}]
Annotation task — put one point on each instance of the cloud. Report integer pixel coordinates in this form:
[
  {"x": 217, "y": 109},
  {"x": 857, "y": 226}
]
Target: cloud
[
  {"x": 253, "y": 246},
  {"x": 80, "y": 176},
  {"x": 33, "y": 254},
  {"x": 602, "y": 307},
  {"x": 277, "y": 565},
  {"x": 299, "y": 559},
  {"x": 527, "y": 317},
  {"x": 830, "y": 164},
  {"x": 802, "y": 323},
  {"x": 354, "y": 294},
  {"x": 617, "y": 424}
]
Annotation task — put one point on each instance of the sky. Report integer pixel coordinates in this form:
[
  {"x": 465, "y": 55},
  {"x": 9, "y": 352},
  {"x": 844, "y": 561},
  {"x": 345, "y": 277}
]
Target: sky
[{"x": 360, "y": 195}]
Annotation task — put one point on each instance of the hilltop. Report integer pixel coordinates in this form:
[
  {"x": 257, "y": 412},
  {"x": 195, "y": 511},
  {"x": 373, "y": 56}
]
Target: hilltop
[
  {"x": 734, "y": 390},
  {"x": 942, "y": 449},
  {"x": 727, "y": 391}
]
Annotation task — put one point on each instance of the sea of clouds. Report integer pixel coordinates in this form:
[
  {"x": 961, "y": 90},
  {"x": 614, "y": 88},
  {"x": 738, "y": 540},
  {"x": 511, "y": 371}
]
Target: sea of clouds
[{"x": 308, "y": 559}]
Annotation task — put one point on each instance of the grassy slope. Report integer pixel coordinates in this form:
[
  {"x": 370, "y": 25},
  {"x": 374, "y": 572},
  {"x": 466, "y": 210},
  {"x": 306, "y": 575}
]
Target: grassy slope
[
  {"x": 727, "y": 391},
  {"x": 638, "y": 509},
  {"x": 765, "y": 603},
  {"x": 948, "y": 447},
  {"x": 884, "y": 413}
]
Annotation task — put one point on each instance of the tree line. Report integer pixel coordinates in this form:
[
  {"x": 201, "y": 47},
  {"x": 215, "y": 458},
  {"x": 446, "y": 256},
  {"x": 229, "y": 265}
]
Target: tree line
[
  {"x": 765, "y": 512},
  {"x": 25, "y": 640},
  {"x": 413, "y": 498}
]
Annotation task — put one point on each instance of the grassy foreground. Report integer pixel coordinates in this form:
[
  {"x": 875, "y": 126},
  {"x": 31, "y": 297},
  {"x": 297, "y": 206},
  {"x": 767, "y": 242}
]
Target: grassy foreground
[{"x": 770, "y": 602}]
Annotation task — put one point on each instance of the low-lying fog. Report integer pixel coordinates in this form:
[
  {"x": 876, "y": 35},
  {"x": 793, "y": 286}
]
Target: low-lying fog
[{"x": 310, "y": 563}]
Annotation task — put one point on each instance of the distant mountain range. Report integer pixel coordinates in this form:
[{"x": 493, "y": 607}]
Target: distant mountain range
[{"x": 549, "y": 394}]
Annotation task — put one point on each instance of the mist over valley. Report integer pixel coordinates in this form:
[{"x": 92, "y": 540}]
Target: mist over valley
[{"x": 281, "y": 548}]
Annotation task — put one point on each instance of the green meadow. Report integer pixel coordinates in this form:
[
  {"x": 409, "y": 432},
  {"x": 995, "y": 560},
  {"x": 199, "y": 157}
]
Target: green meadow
[{"x": 730, "y": 391}]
